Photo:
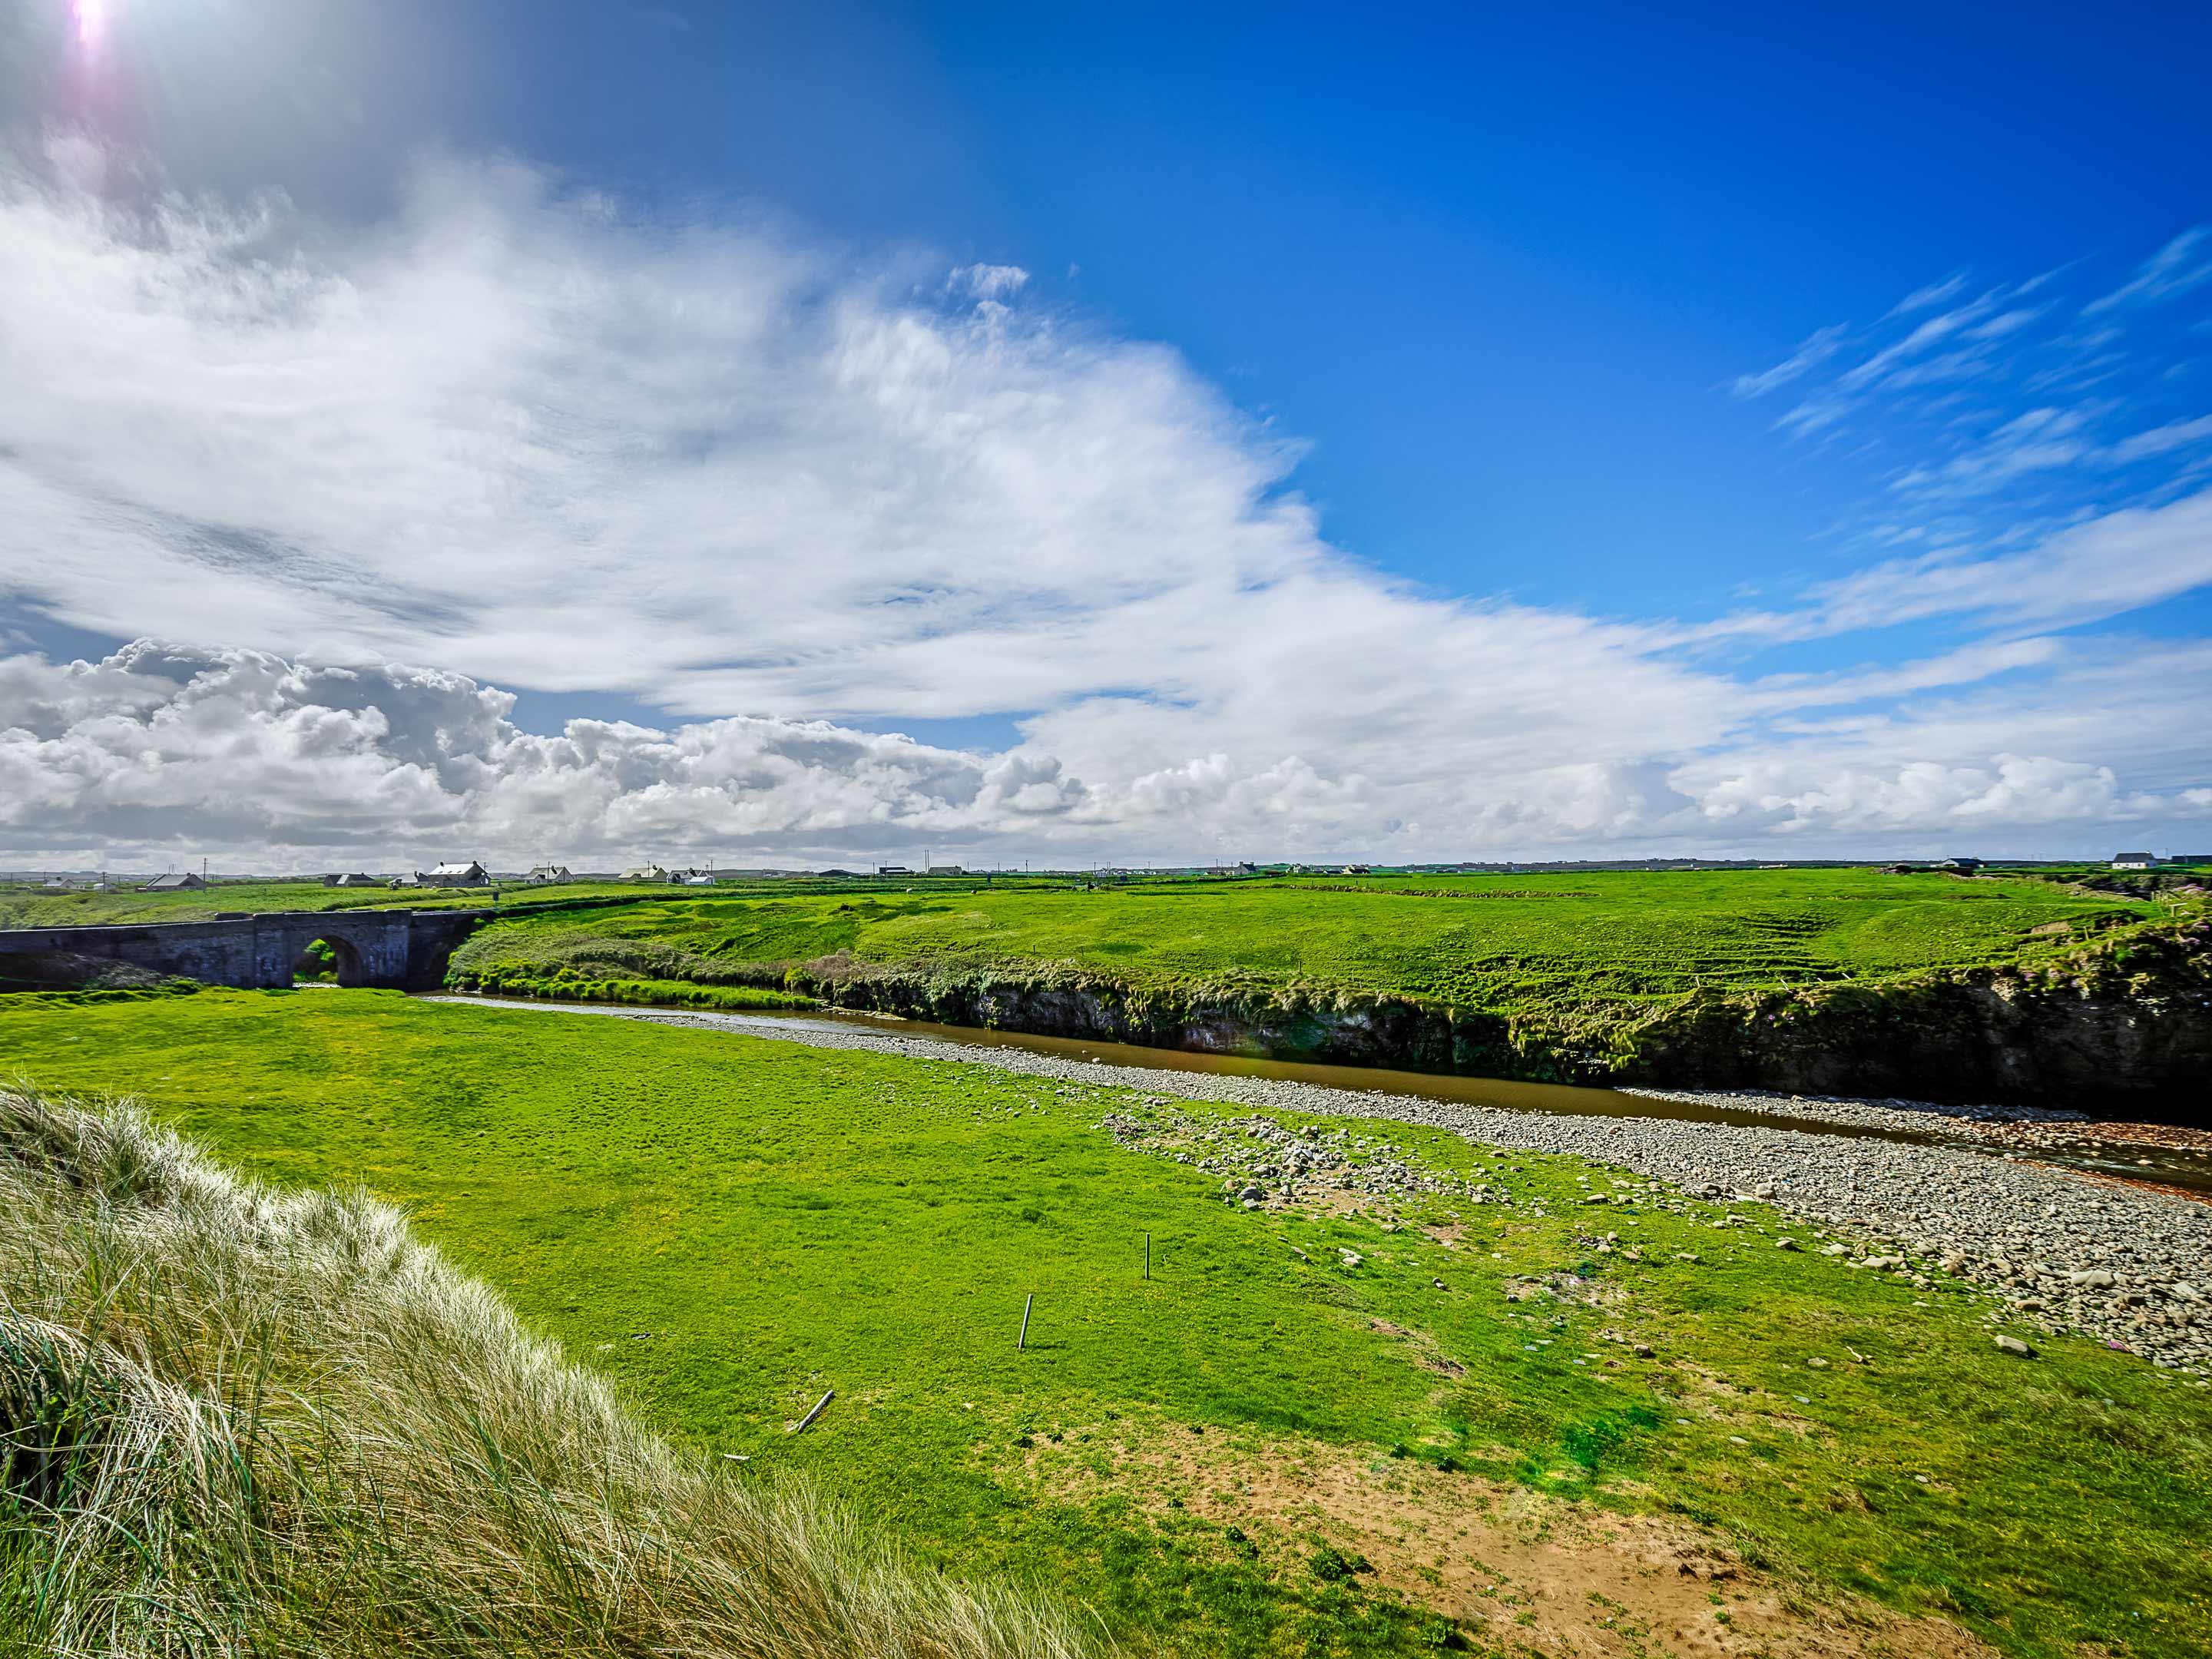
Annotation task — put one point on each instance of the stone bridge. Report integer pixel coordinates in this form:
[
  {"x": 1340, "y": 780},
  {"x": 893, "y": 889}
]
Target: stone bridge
[{"x": 405, "y": 950}]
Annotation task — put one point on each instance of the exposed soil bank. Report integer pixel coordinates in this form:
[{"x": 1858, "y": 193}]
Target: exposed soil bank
[{"x": 2120, "y": 1028}]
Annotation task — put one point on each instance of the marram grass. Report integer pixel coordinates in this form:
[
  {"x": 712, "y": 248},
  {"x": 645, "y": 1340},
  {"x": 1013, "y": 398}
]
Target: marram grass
[{"x": 240, "y": 1421}]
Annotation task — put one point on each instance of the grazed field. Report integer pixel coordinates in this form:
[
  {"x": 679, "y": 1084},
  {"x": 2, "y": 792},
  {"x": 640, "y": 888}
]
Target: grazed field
[
  {"x": 30, "y": 907},
  {"x": 1492, "y": 943},
  {"x": 1812, "y": 1461}
]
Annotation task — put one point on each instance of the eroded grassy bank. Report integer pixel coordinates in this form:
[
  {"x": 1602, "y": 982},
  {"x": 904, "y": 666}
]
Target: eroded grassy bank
[{"x": 1964, "y": 990}]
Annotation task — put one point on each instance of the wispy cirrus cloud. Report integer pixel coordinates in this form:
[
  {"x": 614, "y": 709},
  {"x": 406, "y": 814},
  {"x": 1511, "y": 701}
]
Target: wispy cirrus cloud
[
  {"x": 2182, "y": 265},
  {"x": 1815, "y": 349},
  {"x": 1933, "y": 293},
  {"x": 2005, "y": 416}
]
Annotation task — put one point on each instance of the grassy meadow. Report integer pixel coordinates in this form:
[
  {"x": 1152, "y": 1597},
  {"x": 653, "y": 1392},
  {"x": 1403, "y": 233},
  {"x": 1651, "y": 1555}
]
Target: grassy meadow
[
  {"x": 35, "y": 906},
  {"x": 250, "y": 1422},
  {"x": 1505, "y": 944},
  {"x": 726, "y": 1227}
]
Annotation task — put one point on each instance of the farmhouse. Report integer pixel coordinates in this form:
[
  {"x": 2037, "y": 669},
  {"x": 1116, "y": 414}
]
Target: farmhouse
[
  {"x": 644, "y": 872},
  {"x": 470, "y": 874},
  {"x": 184, "y": 883},
  {"x": 356, "y": 879},
  {"x": 893, "y": 870},
  {"x": 541, "y": 873},
  {"x": 2133, "y": 861},
  {"x": 946, "y": 870}
]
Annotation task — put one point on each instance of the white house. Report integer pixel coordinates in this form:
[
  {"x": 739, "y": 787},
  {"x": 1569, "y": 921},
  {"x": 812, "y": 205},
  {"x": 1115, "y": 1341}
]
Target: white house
[
  {"x": 541, "y": 873},
  {"x": 470, "y": 874},
  {"x": 644, "y": 872},
  {"x": 2133, "y": 861},
  {"x": 184, "y": 883}
]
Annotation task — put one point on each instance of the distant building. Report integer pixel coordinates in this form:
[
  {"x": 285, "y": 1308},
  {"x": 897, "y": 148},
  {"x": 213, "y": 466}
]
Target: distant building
[
  {"x": 946, "y": 870},
  {"x": 1956, "y": 864},
  {"x": 470, "y": 874},
  {"x": 356, "y": 879},
  {"x": 541, "y": 873},
  {"x": 893, "y": 870},
  {"x": 186, "y": 883},
  {"x": 2133, "y": 861},
  {"x": 644, "y": 872},
  {"x": 1353, "y": 870}
]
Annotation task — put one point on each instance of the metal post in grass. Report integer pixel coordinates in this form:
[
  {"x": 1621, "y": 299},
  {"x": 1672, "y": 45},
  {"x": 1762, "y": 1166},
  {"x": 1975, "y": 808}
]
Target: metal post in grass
[
  {"x": 1148, "y": 1255},
  {"x": 1022, "y": 1342}
]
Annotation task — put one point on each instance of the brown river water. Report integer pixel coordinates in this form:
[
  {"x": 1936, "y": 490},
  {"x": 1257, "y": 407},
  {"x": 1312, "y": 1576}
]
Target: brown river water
[{"x": 2120, "y": 1151}]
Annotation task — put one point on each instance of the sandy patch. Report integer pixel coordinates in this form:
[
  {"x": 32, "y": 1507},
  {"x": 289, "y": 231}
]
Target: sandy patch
[{"x": 1520, "y": 1571}]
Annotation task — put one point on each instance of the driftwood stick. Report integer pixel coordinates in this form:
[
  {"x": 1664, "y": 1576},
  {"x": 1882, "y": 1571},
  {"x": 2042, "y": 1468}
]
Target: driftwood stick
[{"x": 800, "y": 1426}]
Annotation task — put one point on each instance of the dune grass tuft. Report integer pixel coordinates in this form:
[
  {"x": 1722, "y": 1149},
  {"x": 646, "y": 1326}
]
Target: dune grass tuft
[{"x": 237, "y": 1420}]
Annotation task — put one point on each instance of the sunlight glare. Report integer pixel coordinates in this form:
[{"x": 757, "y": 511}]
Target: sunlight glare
[{"x": 91, "y": 21}]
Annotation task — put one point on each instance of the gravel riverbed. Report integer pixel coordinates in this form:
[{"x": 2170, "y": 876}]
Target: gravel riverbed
[{"x": 2129, "y": 1265}]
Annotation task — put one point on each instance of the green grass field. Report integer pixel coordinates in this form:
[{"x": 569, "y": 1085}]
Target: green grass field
[
  {"x": 1500, "y": 943},
  {"x": 33, "y": 906},
  {"x": 730, "y": 1226}
]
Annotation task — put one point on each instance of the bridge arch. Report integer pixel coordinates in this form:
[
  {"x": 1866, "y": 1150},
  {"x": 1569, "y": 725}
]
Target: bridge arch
[
  {"x": 404, "y": 950},
  {"x": 350, "y": 970}
]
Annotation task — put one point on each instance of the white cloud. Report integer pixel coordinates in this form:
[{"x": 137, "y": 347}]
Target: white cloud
[
  {"x": 1933, "y": 294},
  {"x": 162, "y": 754},
  {"x": 2174, "y": 269},
  {"x": 1815, "y": 349},
  {"x": 1937, "y": 328},
  {"x": 990, "y": 282},
  {"x": 2100, "y": 568},
  {"x": 2163, "y": 440},
  {"x": 166, "y": 749},
  {"x": 518, "y": 434},
  {"x": 2035, "y": 441}
]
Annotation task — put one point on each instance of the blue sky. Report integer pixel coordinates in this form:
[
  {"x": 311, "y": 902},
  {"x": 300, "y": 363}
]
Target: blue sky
[
  {"x": 1742, "y": 333},
  {"x": 1494, "y": 264}
]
